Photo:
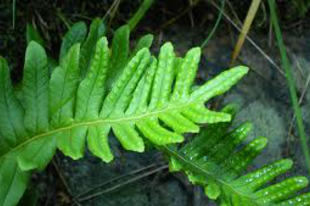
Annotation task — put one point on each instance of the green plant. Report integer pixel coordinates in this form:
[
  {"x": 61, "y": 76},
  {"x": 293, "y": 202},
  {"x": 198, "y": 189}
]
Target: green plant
[
  {"x": 95, "y": 90},
  {"x": 217, "y": 158}
]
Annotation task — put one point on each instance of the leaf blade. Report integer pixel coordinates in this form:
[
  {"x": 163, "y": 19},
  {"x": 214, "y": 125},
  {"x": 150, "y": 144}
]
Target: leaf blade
[
  {"x": 12, "y": 114},
  {"x": 97, "y": 30},
  {"x": 13, "y": 182},
  {"x": 62, "y": 88},
  {"x": 76, "y": 35},
  {"x": 120, "y": 52},
  {"x": 91, "y": 90},
  {"x": 219, "y": 84},
  {"x": 35, "y": 89}
]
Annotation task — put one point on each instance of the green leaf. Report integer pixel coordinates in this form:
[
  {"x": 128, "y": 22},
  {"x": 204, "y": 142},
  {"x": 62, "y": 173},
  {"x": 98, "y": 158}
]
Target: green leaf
[
  {"x": 213, "y": 191},
  {"x": 150, "y": 99},
  {"x": 72, "y": 142},
  {"x": 141, "y": 98},
  {"x": 33, "y": 34},
  {"x": 91, "y": 89},
  {"x": 89, "y": 98},
  {"x": 120, "y": 95},
  {"x": 216, "y": 159},
  {"x": 13, "y": 182},
  {"x": 75, "y": 35},
  {"x": 120, "y": 52},
  {"x": 63, "y": 85},
  {"x": 163, "y": 78},
  {"x": 12, "y": 127},
  {"x": 97, "y": 140},
  {"x": 35, "y": 89},
  {"x": 144, "y": 42},
  {"x": 37, "y": 154},
  {"x": 212, "y": 88},
  {"x": 97, "y": 30}
]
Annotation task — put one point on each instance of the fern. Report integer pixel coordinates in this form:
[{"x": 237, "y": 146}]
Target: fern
[
  {"x": 216, "y": 160},
  {"x": 95, "y": 90}
]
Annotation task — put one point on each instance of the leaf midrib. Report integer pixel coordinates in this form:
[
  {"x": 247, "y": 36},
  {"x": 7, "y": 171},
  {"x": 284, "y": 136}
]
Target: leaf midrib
[{"x": 108, "y": 120}]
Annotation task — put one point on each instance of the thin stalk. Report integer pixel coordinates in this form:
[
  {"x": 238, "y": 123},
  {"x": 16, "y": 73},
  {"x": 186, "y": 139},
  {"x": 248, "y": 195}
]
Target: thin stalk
[
  {"x": 112, "y": 11},
  {"x": 251, "y": 41},
  {"x": 290, "y": 83},
  {"x": 205, "y": 42},
  {"x": 146, "y": 4},
  {"x": 14, "y": 13},
  {"x": 245, "y": 29},
  {"x": 112, "y": 7}
]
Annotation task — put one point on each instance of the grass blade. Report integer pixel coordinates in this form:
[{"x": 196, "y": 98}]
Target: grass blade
[
  {"x": 14, "y": 13},
  {"x": 290, "y": 83},
  {"x": 245, "y": 29},
  {"x": 205, "y": 42}
]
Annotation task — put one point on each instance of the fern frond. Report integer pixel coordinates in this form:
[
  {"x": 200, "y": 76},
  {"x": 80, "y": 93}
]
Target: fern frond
[
  {"x": 216, "y": 160},
  {"x": 76, "y": 105},
  {"x": 80, "y": 111}
]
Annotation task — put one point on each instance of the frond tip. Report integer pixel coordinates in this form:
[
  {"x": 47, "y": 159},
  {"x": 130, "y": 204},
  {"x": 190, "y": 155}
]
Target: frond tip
[{"x": 216, "y": 161}]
